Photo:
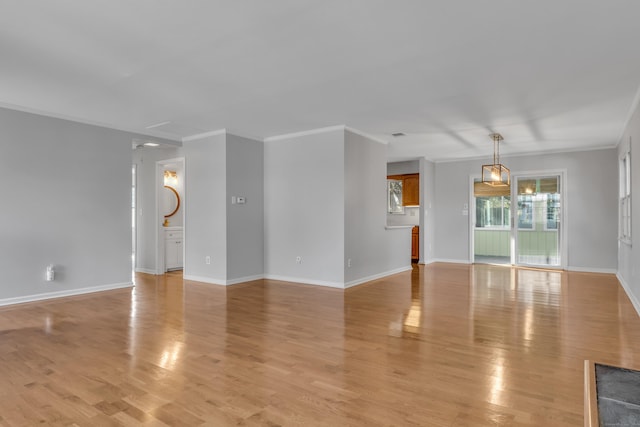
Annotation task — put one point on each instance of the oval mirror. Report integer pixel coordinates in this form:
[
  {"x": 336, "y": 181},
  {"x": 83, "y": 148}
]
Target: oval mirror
[{"x": 174, "y": 202}]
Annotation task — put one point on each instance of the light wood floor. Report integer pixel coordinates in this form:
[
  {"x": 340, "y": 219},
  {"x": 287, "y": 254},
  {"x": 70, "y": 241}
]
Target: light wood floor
[{"x": 442, "y": 345}]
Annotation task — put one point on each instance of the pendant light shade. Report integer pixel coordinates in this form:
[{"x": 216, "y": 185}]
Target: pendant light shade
[{"x": 496, "y": 174}]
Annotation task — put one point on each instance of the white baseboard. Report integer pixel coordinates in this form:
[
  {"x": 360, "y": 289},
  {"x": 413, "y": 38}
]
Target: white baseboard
[
  {"x": 145, "y": 270},
  {"x": 61, "y": 294},
  {"x": 377, "y": 276},
  {"x": 304, "y": 281},
  {"x": 451, "y": 261},
  {"x": 338, "y": 285},
  {"x": 203, "y": 279},
  {"x": 593, "y": 270},
  {"x": 223, "y": 282},
  {"x": 244, "y": 279},
  {"x": 627, "y": 290}
]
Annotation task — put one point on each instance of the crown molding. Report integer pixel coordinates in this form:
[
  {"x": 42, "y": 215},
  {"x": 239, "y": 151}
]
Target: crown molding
[
  {"x": 244, "y": 135},
  {"x": 223, "y": 131},
  {"x": 65, "y": 117},
  {"x": 204, "y": 135},
  {"x": 305, "y": 133},
  {"x": 344, "y": 128},
  {"x": 634, "y": 105},
  {"x": 365, "y": 135}
]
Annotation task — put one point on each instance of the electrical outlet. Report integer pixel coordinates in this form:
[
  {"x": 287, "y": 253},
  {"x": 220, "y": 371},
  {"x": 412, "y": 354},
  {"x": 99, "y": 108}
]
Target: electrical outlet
[
  {"x": 298, "y": 259},
  {"x": 207, "y": 259},
  {"x": 349, "y": 263}
]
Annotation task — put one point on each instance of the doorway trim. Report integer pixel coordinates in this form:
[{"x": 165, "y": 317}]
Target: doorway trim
[
  {"x": 159, "y": 186},
  {"x": 134, "y": 220}
]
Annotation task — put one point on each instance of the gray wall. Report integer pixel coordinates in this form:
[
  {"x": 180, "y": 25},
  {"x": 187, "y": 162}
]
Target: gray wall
[
  {"x": 145, "y": 160},
  {"x": 245, "y": 223},
  {"x": 427, "y": 210},
  {"x": 591, "y": 201},
  {"x": 411, "y": 216},
  {"x": 402, "y": 168},
  {"x": 67, "y": 200},
  {"x": 373, "y": 250},
  {"x": 304, "y": 208},
  {"x": 69, "y": 204},
  {"x": 205, "y": 229},
  {"x": 217, "y": 168},
  {"x": 629, "y": 255}
]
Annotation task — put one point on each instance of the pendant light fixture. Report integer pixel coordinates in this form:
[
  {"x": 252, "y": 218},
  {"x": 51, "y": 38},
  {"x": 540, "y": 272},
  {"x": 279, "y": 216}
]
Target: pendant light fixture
[{"x": 496, "y": 174}]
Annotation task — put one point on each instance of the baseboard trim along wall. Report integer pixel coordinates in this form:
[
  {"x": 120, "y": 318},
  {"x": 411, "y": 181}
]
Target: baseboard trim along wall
[
  {"x": 146, "y": 270},
  {"x": 61, "y": 294},
  {"x": 627, "y": 290},
  {"x": 244, "y": 279},
  {"x": 377, "y": 276},
  {"x": 451, "y": 261},
  {"x": 304, "y": 281},
  {"x": 300, "y": 280},
  {"x": 222, "y": 282},
  {"x": 203, "y": 279},
  {"x": 593, "y": 270},
  {"x": 577, "y": 269}
]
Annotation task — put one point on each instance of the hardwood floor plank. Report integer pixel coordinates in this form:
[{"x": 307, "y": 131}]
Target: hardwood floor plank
[{"x": 441, "y": 345}]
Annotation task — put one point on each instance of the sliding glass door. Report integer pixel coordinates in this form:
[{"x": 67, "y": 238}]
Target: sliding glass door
[
  {"x": 519, "y": 224},
  {"x": 537, "y": 222}
]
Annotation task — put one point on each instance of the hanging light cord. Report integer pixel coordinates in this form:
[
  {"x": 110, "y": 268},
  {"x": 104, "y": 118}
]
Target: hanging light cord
[{"x": 496, "y": 148}]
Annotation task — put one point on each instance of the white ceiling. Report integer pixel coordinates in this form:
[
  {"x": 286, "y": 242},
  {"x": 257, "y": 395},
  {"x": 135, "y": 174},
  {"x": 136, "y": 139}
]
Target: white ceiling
[{"x": 549, "y": 75}]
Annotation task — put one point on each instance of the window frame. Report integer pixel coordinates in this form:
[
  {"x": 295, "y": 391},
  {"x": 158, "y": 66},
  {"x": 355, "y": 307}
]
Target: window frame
[
  {"x": 547, "y": 206},
  {"x": 506, "y": 217},
  {"x": 624, "y": 197},
  {"x": 533, "y": 213}
]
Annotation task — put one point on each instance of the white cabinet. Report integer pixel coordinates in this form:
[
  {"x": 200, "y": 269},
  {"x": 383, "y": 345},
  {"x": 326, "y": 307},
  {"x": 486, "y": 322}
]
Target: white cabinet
[{"x": 173, "y": 248}]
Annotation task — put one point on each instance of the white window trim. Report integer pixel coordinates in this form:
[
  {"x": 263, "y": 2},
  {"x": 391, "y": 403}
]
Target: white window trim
[
  {"x": 624, "y": 200},
  {"x": 546, "y": 219},
  {"x": 533, "y": 218},
  {"x": 496, "y": 227}
]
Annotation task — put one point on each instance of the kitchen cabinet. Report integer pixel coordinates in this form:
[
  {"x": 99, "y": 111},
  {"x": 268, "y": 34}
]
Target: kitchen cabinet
[
  {"x": 415, "y": 243},
  {"x": 173, "y": 243},
  {"x": 410, "y": 188}
]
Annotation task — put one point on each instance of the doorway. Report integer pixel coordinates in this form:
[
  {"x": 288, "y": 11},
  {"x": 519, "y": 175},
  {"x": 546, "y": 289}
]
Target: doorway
[
  {"x": 170, "y": 209},
  {"x": 491, "y": 230},
  {"x": 538, "y": 227},
  {"x": 520, "y": 224}
]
